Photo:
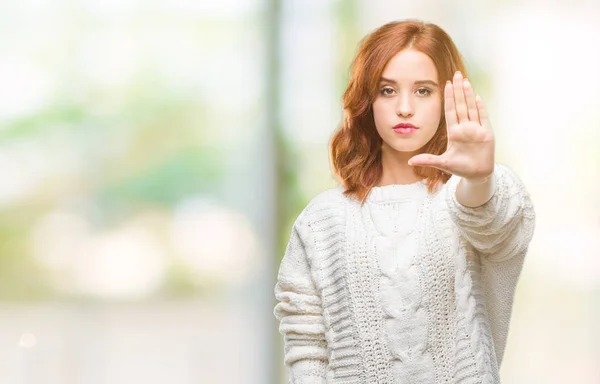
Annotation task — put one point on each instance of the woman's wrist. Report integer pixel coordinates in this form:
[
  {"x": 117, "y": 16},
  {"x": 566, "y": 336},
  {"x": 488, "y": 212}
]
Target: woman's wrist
[{"x": 473, "y": 193}]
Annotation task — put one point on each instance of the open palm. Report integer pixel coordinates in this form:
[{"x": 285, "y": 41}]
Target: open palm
[{"x": 470, "y": 150}]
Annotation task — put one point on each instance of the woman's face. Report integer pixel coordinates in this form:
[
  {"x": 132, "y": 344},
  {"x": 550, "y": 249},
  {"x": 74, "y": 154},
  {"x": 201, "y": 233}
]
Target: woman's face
[{"x": 408, "y": 93}]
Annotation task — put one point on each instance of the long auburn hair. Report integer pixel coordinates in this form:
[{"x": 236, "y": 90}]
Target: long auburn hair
[{"x": 355, "y": 148}]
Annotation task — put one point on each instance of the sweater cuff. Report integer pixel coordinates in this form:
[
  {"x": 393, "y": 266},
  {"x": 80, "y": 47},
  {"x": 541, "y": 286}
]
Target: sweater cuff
[
  {"x": 311, "y": 380},
  {"x": 308, "y": 371},
  {"x": 473, "y": 215}
]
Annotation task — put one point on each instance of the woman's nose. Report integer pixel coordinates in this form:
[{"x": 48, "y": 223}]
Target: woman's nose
[{"x": 404, "y": 107}]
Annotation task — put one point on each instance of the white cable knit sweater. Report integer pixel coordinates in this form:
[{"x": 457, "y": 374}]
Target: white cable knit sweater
[{"x": 410, "y": 287}]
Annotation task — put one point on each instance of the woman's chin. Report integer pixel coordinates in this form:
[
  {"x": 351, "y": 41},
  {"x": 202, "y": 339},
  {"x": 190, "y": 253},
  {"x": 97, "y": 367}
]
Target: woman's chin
[{"x": 405, "y": 148}]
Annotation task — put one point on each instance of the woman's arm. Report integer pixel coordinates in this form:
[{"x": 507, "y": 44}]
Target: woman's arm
[
  {"x": 300, "y": 314},
  {"x": 475, "y": 193},
  {"x": 503, "y": 225}
]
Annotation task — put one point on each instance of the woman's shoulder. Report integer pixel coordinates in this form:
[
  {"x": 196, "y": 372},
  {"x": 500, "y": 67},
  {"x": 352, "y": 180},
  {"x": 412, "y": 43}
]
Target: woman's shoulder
[
  {"x": 327, "y": 197},
  {"x": 323, "y": 217},
  {"x": 327, "y": 205}
]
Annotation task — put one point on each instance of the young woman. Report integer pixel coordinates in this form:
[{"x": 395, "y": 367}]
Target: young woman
[{"x": 406, "y": 272}]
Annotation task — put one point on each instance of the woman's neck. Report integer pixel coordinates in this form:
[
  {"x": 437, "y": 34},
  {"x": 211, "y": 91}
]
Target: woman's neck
[{"x": 395, "y": 168}]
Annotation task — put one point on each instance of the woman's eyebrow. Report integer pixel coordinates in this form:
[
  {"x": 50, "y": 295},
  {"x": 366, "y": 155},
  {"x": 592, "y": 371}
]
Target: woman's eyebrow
[
  {"x": 418, "y": 82},
  {"x": 427, "y": 82}
]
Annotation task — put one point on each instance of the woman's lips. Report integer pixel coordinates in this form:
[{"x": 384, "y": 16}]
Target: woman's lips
[
  {"x": 405, "y": 131},
  {"x": 404, "y": 128}
]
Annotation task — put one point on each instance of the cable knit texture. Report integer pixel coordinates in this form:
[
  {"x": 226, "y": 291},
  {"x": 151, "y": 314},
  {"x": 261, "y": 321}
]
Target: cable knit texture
[{"x": 410, "y": 287}]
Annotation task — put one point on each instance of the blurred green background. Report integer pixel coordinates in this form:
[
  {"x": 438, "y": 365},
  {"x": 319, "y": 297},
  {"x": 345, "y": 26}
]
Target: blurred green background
[{"x": 154, "y": 155}]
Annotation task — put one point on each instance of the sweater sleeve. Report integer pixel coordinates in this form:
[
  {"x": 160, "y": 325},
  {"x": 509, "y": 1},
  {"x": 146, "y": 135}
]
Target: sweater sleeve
[
  {"x": 502, "y": 227},
  {"x": 300, "y": 314}
]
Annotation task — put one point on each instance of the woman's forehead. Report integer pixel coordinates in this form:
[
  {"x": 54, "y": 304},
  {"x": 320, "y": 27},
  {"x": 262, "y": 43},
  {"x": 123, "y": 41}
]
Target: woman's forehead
[{"x": 410, "y": 65}]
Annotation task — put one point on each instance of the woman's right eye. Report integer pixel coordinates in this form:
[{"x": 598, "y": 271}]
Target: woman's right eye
[{"x": 386, "y": 91}]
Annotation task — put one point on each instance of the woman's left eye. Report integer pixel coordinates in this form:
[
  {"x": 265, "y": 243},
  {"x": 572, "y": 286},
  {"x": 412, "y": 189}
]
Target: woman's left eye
[{"x": 423, "y": 92}]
